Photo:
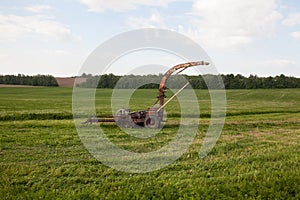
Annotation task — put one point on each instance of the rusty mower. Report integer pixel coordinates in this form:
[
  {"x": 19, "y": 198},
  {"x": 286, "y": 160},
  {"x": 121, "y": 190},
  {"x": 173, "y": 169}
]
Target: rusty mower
[{"x": 152, "y": 117}]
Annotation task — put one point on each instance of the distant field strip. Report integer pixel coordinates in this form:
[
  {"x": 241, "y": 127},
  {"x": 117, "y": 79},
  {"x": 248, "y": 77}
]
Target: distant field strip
[{"x": 56, "y": 103}]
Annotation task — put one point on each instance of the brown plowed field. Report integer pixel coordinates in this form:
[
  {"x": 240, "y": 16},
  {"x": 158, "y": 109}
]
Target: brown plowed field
[
  {"x": 68, "y": 82},
  {"x": 17, "y": 86}
]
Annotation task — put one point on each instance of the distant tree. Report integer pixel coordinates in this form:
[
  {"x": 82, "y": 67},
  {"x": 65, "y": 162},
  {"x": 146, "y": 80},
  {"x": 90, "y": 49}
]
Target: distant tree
[
  {"x": 230, "y": 81},
  {"x": 253, "y": 82},
  {"x": 20, "y": 79}
]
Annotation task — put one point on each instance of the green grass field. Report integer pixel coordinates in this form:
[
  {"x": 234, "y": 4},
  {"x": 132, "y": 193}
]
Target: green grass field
[{"x": 256, "y": 157}]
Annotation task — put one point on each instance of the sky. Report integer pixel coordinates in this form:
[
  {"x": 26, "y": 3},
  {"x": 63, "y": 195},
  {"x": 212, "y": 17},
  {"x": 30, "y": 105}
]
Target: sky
[{"x": 260, "y": 37}]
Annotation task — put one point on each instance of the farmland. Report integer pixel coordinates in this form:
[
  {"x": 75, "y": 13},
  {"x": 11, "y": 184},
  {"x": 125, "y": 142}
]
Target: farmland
[{"x": 256, "y": 157}]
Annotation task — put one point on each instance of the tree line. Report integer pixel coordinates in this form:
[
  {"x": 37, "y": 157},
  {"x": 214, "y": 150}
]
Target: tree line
[
  {"x": 21, "y": 79},
  {"x": 229, "y": 81}
]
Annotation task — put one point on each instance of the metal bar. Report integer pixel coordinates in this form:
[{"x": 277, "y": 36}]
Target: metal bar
[
  {"x": 173, "y": 96},
  {"x": 180, "y": 71},
  {"x": 106, "y": 120}
]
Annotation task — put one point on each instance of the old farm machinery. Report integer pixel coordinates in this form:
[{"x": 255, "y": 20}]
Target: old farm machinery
[{"x": 153, "y": 116}]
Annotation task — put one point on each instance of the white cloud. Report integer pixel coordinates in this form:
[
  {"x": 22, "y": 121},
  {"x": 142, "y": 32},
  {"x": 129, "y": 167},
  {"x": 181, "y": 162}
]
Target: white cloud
[
  {"x": 58, "y": 52},
  {"x": 231, "y": 24},
  {"x": 14, "y": 27},
  {"x": 292, "y": 20},
  {"x": 218, "y": 24},
  {"x": 38, "y": 8},
  {"x": 154, "y": 21},
  {"x": 296, "y": 35},
  {"x": 3, "y": 55},
  {"x": 279, "y": 63},
  {"x": 121, "y": 6}
]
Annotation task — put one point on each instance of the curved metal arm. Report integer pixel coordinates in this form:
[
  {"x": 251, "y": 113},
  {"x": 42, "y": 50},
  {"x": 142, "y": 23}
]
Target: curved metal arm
[{"x": 162, "y": 88}]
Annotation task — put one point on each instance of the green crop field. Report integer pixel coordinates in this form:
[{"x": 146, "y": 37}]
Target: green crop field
[{"x": 256, "y": 157}]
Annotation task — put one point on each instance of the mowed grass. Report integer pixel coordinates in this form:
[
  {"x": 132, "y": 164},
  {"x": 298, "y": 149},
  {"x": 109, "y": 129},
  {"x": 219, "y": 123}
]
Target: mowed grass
[{"x": 256, "y": 157}]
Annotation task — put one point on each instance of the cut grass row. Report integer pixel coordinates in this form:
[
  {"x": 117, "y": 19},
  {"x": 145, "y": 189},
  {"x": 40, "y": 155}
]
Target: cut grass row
[{"x": 45, "y": 159}]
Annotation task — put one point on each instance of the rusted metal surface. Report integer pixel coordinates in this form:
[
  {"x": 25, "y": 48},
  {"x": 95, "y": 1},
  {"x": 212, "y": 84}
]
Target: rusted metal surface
[
  {"x": 153, "y": 116},
  {"x": 162, "y": 87},
  {"x": 92, "y": 120}
]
